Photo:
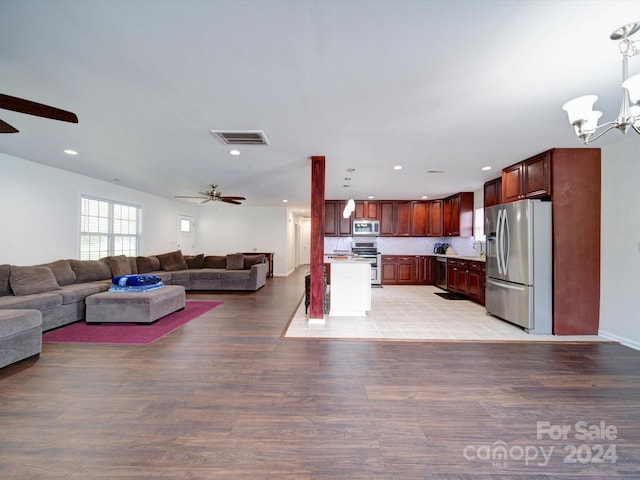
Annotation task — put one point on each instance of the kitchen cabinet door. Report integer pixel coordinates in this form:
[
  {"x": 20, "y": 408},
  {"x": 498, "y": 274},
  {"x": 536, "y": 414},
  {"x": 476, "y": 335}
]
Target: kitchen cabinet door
[
  {"x": 402, "y": 217},
  {"x": 344, "y": 225},
  {"x": 512, "y": 183},
  {"x": 435, "y": 227},
  {"x": 475, "y": 282},
  {"x": 389, "y": 270},
  {"x": 458, "y": 215},
  {"x": 387, "y": 219},
  {"x": 493, "y": 192},
  {"x": 452, "y": 270},
  {"x": 418, "y": 226},
  {"x": 330, "y": 228},
  {"x": 537, "y": 176},
  {"x": 407, "y": 269},
  {"x": 367, "y": 210},
  {"x": 426, "y": 269}
]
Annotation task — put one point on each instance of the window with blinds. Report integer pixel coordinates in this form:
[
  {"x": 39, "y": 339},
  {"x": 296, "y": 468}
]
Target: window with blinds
[{"x": 108, "y": 228}]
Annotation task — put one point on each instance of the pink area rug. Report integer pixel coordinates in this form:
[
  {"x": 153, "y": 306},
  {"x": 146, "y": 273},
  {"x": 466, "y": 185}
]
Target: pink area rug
[{"x": 127, "y": 333}]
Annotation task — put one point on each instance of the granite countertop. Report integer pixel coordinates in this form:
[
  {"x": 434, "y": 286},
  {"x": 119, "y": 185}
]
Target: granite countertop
[{"x": 462, "y": 257}]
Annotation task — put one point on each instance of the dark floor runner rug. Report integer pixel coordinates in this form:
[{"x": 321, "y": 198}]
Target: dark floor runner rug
[
  {"x": 451, "y": 296},
  {"x": 127, "y": 333}
]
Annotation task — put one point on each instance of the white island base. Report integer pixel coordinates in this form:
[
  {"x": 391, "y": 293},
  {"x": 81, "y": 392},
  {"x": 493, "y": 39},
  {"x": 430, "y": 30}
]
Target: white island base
[{"x": 350, "y": 289}]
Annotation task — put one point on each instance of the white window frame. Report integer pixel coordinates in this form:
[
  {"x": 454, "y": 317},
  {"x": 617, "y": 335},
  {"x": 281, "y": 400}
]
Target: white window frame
[{"x": 108, "y": 227}]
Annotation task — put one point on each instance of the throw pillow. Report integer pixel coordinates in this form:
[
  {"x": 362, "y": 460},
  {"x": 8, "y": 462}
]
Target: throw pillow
[
  {"x": 119, "y": 265},
  {"x": 194, "y": 261},
  {"x": 235, "y": 261},
  {"x": 215, "y": 261},
  {"x": 170, "y": 262},
  {"x": 62, "y": 271},
  {"x": 5, "y": 287},
  {"x": 90, "y": 270},
  {"x": 252, "y": 260},
  {"x": 30, "y": 280},
  {"x": 147, "y": 264}
]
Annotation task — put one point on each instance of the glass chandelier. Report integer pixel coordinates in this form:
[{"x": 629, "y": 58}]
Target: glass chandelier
[{"x": 580, "y": 110}]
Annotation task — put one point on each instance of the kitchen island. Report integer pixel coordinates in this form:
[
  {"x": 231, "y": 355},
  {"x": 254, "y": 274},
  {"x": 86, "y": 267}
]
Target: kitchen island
[{"x": 350, "y": 287}]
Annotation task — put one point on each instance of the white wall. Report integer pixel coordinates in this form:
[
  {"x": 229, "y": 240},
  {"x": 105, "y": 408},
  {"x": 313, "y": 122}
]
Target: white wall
[
  {"x": 40, "y": 212},
  {"x": 620, "y": 263},
  {"x": 222, "y": 229}
]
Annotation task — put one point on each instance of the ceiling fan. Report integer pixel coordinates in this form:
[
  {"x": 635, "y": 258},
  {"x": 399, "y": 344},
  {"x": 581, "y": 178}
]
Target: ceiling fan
[
  {"x": 20, "y": 105},
  {"x": 214, "y": 195}
]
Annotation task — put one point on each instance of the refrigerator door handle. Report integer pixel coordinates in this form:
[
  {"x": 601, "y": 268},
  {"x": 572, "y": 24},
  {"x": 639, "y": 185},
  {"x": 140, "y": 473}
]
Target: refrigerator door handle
[
  {"x": 508, "y": 286},
  {"x": 499, "y": 242},
  {"x": 507, "y": 244}
]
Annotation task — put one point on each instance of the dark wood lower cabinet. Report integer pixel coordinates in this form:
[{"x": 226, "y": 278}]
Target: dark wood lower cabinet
[
  {"x": 466, "y": 277},
  {"x": 408, "y": 269}
]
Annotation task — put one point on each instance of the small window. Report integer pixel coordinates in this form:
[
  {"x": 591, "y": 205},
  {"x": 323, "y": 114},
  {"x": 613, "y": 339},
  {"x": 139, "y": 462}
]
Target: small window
[
  {"x": 108, "y": 228},
  {"x": 185, "y": 226}
]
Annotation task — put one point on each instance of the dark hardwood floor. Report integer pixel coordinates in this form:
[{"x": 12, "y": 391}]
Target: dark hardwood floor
[{"x": 225, "y": 397}]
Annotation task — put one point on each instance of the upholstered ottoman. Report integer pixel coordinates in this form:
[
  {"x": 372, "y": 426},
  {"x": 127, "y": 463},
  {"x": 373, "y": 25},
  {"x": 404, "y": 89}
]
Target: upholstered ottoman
[
  {"x": 20, "y": 335},
  {"x": 136, "y": 307}
]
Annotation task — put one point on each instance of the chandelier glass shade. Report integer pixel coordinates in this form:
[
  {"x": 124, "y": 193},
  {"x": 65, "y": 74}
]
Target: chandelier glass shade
[{"x": 580, "y": 110}]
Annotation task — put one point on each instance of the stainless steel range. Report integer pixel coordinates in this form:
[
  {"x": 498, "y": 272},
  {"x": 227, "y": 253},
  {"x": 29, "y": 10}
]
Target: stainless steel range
[{"x": 367, "y": 248}]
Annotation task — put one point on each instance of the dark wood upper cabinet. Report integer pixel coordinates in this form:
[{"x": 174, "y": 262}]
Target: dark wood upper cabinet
[
  {"x": 419, "y": 215},
  {"x": 402, "y": 217},
  {"x": 493, "y": 192},
  {"x": 367, "y": 210},
  {"x": 530, "y": 178},
  {"x": 335, "y": 224},
  {"x": 330, "y": 228},
  {"x": 344, "y": 224},
  {"x": 458, "y": 215},
  {"x": 435, "y": 225},
  {"x": 387, "y": 219}
]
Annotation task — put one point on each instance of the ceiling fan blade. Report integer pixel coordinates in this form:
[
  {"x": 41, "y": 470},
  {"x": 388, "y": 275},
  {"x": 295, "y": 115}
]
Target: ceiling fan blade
[
  {"x": 206, "y": 200},
  {"x": 234, "y": 198},
  {"x": 6, "y": 128},
  {"x": 226, "y": 200},
  {"x": 182, "y": 196},
  {"x": 20, "y": 105}
]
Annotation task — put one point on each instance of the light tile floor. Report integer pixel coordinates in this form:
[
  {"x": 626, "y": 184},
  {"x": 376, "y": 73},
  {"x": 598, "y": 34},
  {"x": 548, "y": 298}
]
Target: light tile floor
[{"x": 407, "y": 312}]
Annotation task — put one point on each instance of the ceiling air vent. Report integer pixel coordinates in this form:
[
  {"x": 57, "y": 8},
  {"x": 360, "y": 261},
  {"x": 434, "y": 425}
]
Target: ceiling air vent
[{"x": 245, "y": 137}]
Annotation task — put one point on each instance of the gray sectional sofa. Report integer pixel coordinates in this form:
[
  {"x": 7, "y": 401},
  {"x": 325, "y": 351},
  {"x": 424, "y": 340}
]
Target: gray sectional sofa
[{"x": 58, "y": 289}]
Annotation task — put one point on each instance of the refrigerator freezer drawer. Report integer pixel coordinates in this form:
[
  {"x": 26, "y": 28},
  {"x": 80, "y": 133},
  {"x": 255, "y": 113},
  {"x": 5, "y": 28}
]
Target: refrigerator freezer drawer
[
  {"x": 510, "y": 302},
  {"x": 519, "y": 304}
]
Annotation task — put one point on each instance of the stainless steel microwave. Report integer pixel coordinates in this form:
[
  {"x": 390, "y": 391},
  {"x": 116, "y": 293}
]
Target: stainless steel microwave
[{"x": 366, "y": 227}]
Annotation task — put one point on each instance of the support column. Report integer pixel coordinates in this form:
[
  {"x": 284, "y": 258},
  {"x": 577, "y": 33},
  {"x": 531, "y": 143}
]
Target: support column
[{"x": 316, "y": 300}]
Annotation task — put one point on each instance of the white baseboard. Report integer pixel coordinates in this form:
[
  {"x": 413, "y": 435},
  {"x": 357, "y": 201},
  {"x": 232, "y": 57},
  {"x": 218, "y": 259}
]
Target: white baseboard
[{"x": 624, "y": 341}]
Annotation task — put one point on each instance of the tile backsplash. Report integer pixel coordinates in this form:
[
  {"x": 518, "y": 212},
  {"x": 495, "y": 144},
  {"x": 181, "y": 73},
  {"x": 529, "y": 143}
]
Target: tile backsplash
[{"x": 407, "y": 245}]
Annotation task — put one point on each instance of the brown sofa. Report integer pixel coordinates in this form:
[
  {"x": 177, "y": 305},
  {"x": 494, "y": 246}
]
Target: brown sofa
[{"x": 58, "y": 289}]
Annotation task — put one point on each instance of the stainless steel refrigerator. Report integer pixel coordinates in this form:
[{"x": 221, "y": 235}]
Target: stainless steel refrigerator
[{"x": 519, "y": 264}]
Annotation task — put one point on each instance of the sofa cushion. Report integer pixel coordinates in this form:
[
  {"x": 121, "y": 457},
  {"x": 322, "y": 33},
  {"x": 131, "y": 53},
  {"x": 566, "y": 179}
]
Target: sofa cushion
[
  {"x": 5, "y": 286},
  {"x": 62, "y": 271},
  {"x": 235, "y": 261},
  {"x": 38, "y": 301},
  {"x": 30, "y": 280},
  {"x": 90, "y": 270},
  {"x": 250, "y": 260},
  {"x": 148, "y": 264},
  {"x": 172, "y": 261},
  {"x": 119, "y": 265},
  {"x": 194, "y": 261},
  {"x": 215, "y": 261},
  {"x": 133, "y": 264},
  {"x": 79, "y": 291}
]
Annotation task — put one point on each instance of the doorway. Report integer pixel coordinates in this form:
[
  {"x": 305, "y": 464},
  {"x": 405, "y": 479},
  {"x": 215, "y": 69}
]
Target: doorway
[{"x": 186, "y": 235}]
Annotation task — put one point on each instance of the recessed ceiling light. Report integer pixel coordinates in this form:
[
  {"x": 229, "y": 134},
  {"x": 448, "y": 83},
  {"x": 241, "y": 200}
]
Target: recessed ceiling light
[
  {"x": 285, "y": 201},
  {"x": 70, "y": 152},
  {"x": 486, "y": 168},
  {"x": 435, "y": 171},
  {"x": 424, "y": 197},
  {"x": 370, "y": 197},
  {"x": 397, "y": 167},
  {"x": 234, "y": 152}
]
